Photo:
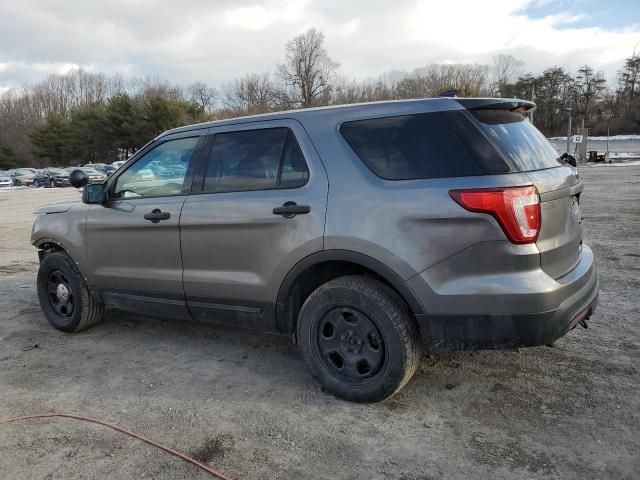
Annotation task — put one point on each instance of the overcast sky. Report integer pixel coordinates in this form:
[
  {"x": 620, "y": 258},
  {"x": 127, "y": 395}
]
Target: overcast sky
[{"x": 216, "y": 40}]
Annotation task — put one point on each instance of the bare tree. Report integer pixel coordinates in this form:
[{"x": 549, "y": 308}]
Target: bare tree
[
  {"x": 589, "y": 87},
  {"x": 506, "y": 69},
  {"x": 308, "y": 69},
  {"x": 203, "y": 95},
  {"x": 253, "y": 93},
  {"x": 430, "y": 81}
]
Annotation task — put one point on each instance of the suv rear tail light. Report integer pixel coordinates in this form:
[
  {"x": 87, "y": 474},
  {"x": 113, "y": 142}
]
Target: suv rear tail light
[{"x": 517, "y": 209}]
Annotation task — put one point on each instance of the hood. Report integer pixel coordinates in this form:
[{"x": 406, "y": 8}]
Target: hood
[{"x": 57, "y": 207}]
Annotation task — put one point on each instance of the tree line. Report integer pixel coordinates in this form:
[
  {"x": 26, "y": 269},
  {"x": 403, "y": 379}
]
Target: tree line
[{"x": 81, "y": 117}]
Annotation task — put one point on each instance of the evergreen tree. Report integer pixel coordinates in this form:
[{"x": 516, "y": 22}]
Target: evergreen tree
[
  {"x": 50, "y": 139},
  {"x": 8, "y": 157}
]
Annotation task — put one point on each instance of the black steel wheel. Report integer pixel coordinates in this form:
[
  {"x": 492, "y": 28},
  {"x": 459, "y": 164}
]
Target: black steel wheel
[
  {"x": 358, "y": 338},
  {"x": 350, "y": 344},
  {"x": 64, "y": 297},
  {"x": 60, "y": 293}
]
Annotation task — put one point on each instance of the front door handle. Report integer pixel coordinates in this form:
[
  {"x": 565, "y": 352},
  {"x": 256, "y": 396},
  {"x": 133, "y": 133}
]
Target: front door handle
[
  {"x": 156, "y": 215},
  {"x": 291, "y": 209}
]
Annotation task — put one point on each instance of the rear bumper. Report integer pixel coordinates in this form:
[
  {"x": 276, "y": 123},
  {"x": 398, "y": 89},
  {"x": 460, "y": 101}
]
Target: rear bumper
[{"x": 575, "y": 297}]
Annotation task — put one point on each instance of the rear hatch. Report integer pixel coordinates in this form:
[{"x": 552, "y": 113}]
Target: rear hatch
[{"x": 526, "y": 150}]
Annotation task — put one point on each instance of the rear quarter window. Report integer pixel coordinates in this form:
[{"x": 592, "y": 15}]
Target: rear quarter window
[{"x": 408, "y": 147}]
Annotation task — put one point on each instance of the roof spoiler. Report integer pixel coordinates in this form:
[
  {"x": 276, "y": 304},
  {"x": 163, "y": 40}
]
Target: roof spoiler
[
  {"x": 511, "y": 104},
  {"x": 449, "y": 93}
]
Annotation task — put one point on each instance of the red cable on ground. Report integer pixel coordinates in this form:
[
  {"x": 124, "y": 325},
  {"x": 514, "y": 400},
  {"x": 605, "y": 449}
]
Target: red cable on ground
[{"x": 170, "y": 450}]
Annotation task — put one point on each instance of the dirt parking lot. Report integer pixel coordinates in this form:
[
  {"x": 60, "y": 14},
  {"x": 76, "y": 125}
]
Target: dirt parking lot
[{"x": 244, "y": 402}]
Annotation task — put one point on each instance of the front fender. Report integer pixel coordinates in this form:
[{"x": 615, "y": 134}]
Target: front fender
[{"x": 66, "y": 231}]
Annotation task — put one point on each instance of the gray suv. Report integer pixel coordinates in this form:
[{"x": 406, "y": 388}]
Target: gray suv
[{"x": 364, "y": 231}]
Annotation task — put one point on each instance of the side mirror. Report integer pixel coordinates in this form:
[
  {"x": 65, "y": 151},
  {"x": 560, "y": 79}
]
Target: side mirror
[
  {"x": 93, "y": 193},
  {"x": 78, "y": 178},
  {"x": 570, "y": 159}
]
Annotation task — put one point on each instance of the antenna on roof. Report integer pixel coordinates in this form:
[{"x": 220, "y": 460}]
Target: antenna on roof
[{"x": 449, "y": 93}]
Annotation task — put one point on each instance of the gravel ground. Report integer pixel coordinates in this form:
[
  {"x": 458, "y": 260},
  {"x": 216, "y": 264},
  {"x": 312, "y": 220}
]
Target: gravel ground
[{"x": 244, "y": 403}]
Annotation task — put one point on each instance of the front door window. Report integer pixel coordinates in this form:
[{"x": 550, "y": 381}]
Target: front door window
[{"x": 160, "y": 172}]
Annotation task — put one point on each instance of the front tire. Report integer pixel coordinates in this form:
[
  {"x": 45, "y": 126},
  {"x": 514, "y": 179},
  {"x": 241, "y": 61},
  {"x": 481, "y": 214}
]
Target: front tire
[
  {"x": 64, "y": 297},
  {"x": 358, "y": 338}
]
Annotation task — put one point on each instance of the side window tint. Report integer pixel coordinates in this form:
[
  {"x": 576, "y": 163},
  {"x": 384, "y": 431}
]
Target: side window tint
[
  {"x": 294, "y": 172},
  {"x": 255, "y": 160},
  {"x": 410, "y": 147},
  {"x": 159, "y": 172}
]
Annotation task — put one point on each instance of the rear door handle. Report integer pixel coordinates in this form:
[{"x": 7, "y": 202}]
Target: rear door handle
[
  {"x": 156, "y": 215},
  {"x": 291, "y": 209}
]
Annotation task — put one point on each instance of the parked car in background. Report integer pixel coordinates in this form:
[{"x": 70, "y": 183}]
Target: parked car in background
[
  {"x": 119, "y": 163},
  {"x": 97, "y": 166},
  {"x": 110, "y": 169},
  {"x": 38, "y": 174},
  {"x": 146, "y": 175},
  {"x": 94, "y": 175},
  {"x": 52, "y": 177},
  {"x": 24, "y": 176},
  {"x": 5, "y": 180}
]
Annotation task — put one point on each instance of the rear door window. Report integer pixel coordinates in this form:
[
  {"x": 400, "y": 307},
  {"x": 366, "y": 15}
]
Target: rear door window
[
  {"x": 521, "y": 144},
  {"x": 263, "y": 159},
  {"x": 410, "y": 147}
]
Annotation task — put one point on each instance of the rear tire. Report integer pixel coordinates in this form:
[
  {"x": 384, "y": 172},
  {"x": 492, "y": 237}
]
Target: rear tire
[
  {"x": 358, "y": 338},
  {"x": 64, "y": 297}
]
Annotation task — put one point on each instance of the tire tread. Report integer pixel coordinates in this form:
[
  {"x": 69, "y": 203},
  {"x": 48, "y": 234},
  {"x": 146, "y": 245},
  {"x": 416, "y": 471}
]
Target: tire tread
[
  {"x": 92, "y": 310},
  {"x": 396, "y": 310}
]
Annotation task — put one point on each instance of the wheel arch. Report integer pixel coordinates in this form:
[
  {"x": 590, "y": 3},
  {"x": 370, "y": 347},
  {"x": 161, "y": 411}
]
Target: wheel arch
[
  {"x": 46, "y": 245},
  {"x": 320, "y": 267}
]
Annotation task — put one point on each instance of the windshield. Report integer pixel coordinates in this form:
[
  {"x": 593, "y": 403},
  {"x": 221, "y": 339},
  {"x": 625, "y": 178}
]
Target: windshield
[{"x": 521, "y": 143}]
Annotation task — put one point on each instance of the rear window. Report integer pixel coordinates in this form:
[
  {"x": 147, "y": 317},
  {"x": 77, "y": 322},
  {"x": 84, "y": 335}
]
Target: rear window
[
  {"x": 410, "y": 147},
  {"x": 521, "y": 144}
]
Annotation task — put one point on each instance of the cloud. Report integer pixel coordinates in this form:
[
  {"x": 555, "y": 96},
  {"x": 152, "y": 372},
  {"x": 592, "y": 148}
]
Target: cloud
[
  {"x": 215, "y": 41},
  {"x": 259, "y": 17}
]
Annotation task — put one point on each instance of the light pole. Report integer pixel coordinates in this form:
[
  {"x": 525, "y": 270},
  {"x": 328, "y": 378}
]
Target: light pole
[
  {"x": 568, "y": 110},
  {"x": 608, "y": 116}
]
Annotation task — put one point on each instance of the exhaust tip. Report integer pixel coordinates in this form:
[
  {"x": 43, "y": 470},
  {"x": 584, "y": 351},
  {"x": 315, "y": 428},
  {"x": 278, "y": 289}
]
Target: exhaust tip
[{"x": 581, "y": 318}]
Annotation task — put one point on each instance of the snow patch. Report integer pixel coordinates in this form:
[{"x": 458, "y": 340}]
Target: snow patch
[
  {"x": 612, "y": 138},
  {"x": 631, "y": 163}
]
